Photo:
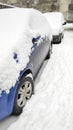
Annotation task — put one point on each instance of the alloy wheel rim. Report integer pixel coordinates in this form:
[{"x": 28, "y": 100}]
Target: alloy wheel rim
[{"x": 24, "y": 93}]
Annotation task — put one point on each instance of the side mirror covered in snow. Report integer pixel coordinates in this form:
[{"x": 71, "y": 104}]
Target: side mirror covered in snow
[
  {"x": 64, "y": 23},
  {"x": 35, "y": 39}
]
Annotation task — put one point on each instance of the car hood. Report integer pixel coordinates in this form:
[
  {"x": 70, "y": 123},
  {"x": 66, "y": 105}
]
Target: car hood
[
  {"x": 57, "y": 30},
  {"x": 12, "y": 28},
  {"x": 7, "y": 42},
  {"x": 15, "y": 38},
  {"x": 9, "y": 67}
]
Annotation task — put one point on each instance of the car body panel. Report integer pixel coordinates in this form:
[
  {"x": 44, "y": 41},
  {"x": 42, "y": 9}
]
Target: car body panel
[{"x": 6, "y": 102}]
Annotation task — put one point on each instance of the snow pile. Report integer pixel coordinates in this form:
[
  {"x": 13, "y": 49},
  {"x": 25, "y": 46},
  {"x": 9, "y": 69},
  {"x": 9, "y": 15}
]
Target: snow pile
[
  {"x": 55, "y": 19},
  {"x": 17, "y": 28},
  {"x": 51, "y": 108}
]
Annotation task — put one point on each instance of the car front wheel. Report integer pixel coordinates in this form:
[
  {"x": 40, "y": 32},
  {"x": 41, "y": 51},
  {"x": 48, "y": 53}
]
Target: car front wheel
[{"x": 23, "y": 93}]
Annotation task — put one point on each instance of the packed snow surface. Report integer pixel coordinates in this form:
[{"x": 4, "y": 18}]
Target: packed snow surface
[
  {"x": 55, "y": 19},
  {"x": 17, "y": 28},
  {"x": 51, "y": 108}
]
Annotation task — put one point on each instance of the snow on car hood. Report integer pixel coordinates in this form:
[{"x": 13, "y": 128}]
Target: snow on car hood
[
  {"x": 56, "y": 30},
  {"x": 10, "y": 67},
  {"x": 55, "y": 22},
  {"x": 15, "y": 39}
]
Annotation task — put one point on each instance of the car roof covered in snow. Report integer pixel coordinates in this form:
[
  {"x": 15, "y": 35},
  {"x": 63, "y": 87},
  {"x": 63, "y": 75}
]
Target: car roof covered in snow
[
  {"x": 16, "y": 23},
  {"x": 13, "y": 21}
]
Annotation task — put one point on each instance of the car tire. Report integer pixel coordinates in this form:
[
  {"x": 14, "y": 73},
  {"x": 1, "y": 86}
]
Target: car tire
[
  {"x": 60, "y": 40},
  {"x": 23, "y": 93},
  {"x": 62, "y": 36},
  {"x": 49, "y": 52}
]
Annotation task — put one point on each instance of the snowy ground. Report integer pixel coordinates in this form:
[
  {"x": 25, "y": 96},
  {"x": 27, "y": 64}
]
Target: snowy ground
[{"x": 51, "y": 108}]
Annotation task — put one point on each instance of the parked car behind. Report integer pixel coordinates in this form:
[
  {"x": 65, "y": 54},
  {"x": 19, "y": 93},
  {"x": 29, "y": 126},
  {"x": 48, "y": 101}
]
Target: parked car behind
[
  {"x": 25, "y": 42},
  {"x": 57, "y": 22}
]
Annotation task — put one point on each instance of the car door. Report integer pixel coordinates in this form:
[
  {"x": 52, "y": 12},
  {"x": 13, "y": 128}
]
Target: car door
[
  {"x": 40, "y": 48},
  {"x": 34, "y": 57},
  {"x": 39, "y": 51}
]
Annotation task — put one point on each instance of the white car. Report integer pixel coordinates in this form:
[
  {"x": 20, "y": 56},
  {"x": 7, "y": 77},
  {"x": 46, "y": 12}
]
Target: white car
[{"x": 57, "y": 22}]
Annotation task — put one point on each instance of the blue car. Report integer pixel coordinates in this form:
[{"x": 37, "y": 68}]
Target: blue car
[{"x": 25, "y": 42}]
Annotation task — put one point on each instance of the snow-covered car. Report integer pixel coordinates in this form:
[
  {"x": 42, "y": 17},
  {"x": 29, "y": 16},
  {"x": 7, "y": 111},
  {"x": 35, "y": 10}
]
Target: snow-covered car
[
  {"x": 4, "y": 6},
  {"x": 25, "y": 41},
  {"x": 57, "y": 22}
]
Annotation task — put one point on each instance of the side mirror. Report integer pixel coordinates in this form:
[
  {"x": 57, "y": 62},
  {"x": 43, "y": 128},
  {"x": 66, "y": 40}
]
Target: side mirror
[
  {"x": 35, "y": 39},
  {"x": 64, "y": 23}
]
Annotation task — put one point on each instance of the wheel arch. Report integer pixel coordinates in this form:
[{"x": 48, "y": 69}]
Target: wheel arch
[
  {"x": 25, "y": 73},
  {"x": 11, "y": 95}
]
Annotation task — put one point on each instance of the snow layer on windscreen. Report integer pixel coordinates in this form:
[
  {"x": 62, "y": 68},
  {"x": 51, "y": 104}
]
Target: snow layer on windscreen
[
  {"x": 16, "y": 35},
  {"x": 56, "y": 20}
]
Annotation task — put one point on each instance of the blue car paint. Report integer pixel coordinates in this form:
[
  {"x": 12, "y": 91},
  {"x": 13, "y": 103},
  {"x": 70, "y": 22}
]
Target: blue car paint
[{"x": 7, "y": 100}]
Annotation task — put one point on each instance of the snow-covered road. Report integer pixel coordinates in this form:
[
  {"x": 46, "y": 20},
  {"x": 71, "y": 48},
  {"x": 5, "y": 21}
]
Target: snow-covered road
[{"x": 51, "y": 108}]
